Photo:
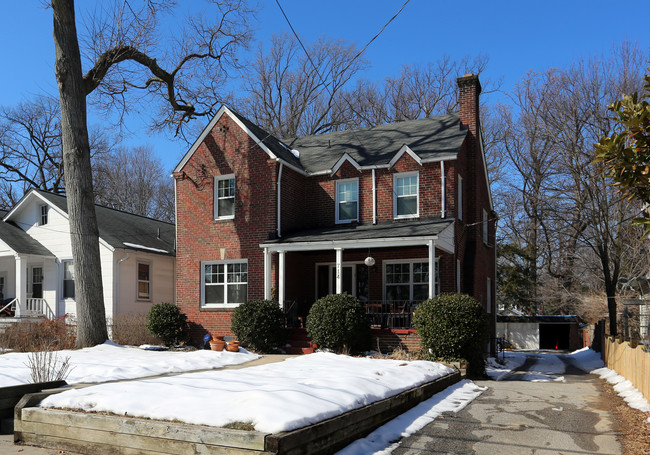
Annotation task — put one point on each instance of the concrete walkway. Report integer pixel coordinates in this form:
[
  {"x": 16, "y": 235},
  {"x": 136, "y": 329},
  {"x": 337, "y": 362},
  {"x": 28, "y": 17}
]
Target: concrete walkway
[{"x": 515, "y": 416}]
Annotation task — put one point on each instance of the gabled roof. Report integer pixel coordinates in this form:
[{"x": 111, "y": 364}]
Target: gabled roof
[
  {"x": 429, "y": 139},
  {"x": 121, "y": 229},
  {"x": 18, "y": 240}
]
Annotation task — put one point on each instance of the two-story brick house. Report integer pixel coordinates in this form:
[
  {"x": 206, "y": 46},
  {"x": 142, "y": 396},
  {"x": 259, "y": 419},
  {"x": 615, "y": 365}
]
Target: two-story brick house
[{"x": 369, "y": 212}]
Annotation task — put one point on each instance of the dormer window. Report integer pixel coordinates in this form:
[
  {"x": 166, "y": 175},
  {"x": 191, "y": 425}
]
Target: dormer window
[
  {"x": 224, "y": 197},
  {"x": 42, "y": 211},
  {"x": 347, "y": 200},
  {"x": 405, "y": 195}
]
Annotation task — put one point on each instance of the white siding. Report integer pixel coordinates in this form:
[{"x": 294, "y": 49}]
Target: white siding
[{"x": 522, "y": 335}]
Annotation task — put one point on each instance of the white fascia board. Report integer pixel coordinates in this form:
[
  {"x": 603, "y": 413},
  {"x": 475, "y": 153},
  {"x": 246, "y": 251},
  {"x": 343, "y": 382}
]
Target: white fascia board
[
  {"x": 405, "y": 149},
  {"x": 361, "y": 243},
  {"x": 342, "y": 160}
]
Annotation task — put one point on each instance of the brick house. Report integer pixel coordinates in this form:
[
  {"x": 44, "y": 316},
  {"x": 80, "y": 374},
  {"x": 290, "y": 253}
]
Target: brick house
[{"x": 369, "y": 212}]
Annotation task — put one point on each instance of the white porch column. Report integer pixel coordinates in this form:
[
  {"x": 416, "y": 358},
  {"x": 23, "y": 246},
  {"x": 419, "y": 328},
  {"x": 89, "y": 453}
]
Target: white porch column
[
  {"x": 339, "y": 270},
  {"x": 432, "y": 269},
  {"x": 21, "y": 283},
  {"x": 267, "y": 274},
  {"x": 281, "y": 279}
]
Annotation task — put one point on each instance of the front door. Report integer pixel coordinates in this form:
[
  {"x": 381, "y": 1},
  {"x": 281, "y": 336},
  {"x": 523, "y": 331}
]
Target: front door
[{"x": 354, "y": 280}]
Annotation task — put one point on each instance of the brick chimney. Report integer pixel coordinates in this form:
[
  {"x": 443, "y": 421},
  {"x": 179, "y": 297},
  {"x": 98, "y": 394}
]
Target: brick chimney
[{"x": 468, "y": 93}]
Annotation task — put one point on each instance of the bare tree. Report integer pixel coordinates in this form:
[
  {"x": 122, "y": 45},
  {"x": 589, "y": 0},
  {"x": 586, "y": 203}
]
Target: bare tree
[
  {"x": 126, "y": 52},
  {"x": 134, "y": 180}
]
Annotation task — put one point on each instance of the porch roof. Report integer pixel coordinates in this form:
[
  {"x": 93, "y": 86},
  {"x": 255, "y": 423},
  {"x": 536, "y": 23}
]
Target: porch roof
[
  {"x": 383, "y": 234},
  {"x": 18, "y": 240}
]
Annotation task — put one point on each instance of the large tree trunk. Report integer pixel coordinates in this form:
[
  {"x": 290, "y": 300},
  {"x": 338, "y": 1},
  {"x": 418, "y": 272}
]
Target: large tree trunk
[
  {"x": 89, "y": 296},
  {"x": 611, "y": 308}
]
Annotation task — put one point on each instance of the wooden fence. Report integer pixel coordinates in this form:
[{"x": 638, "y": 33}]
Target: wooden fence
[{"x": 631, "y": 363}]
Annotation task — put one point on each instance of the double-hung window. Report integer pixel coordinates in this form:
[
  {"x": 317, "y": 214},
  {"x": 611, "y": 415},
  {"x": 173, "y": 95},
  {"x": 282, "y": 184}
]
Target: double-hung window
[
  {"x": 224, "y": 197},
  {"x": 347, "y": 200},
  {"x": 224, "y": 283},
  {"x": 405, "y": 195},
  {"x": 68, "y": 280},
  {"x": 144, "y": 281},
  {"x": 409, "y": 280},
  {"x": 42, "y": 212}
]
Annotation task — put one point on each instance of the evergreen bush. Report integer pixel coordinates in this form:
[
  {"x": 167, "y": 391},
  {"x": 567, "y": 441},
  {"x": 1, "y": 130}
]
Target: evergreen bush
[
  {"x": 259, "y": 325},
  {"x": 338, "y": 322},
  {"x": 167, "y": 322},
  {"x": 453, "y": 327}
]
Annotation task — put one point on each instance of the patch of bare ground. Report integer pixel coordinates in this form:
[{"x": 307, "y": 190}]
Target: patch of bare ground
[{"x": 633, "y": 425}]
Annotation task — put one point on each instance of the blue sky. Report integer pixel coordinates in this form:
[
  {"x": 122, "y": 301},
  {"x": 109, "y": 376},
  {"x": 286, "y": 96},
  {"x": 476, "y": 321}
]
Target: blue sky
[{"x": 518, "y": 36}]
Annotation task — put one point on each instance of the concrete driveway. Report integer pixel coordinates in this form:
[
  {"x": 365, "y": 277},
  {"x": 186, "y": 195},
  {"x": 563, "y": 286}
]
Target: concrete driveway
[{"x": 517, "y": 416}]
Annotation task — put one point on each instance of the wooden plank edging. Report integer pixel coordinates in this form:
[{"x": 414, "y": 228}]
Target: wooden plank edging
[{"x": 10, "y": 396}]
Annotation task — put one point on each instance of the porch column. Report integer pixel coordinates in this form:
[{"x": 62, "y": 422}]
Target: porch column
[
  {"x": 432, "y": 269},
  {"x": 21, "y": 283},
  {"x": 281, "y": 279},
  {"x": 339, "y": 270},
  {"x": 267, "y": 274}
]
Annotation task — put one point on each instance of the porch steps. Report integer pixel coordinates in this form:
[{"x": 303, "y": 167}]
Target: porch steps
[{"x": 298, "y": 342}]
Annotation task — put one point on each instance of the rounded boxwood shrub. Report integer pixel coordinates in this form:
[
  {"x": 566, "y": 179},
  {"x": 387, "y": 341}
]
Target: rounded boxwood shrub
[
  {"x": 167, "y": 322},
  {"x": 453, "y": 327},
  {"x": 259, "y": 325},
  {"x": 338, "y": 322}
]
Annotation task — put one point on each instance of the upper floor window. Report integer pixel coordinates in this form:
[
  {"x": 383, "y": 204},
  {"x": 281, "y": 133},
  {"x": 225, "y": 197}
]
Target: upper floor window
[
  {"x": 224, "y": 197},
  {"x": 224, "y": 283},
  {"x": 42, "y": 211},
  {"x": 68, "y": 280},
  {"x": 144, "y": 281},
  {"x": 485, "y": 227},
  {"x": 347, "y": 200},
  {"x": 460, "y": 198},
  {"x": 405, "y": 195}
]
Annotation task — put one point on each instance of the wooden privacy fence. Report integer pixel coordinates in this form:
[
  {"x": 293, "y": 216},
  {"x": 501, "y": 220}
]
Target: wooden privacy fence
[{"x": 631, "y": 363}]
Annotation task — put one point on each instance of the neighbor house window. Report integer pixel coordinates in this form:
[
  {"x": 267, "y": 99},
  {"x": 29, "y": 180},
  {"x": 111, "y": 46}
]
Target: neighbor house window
[
  {"x": 347, "y": 201},
  {"x": 460, "y": 198},
  {"x": 485, "y": 227},
  {"x": 405, "y": 195},
  {"x": 68, "y": 280},
  {"x": 42, "y": 220},
  {"x": 409, "y": 280},
  {"x": 144, "y": 281},
  {"x": 224, "y": 283},
  {"x": 224, "y": 197}
]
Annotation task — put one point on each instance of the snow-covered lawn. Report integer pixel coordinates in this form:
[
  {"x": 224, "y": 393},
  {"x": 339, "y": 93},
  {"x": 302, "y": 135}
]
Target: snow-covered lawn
[
  {"x": 109, "y": 361},
  {"x": 274, "y": 397}
]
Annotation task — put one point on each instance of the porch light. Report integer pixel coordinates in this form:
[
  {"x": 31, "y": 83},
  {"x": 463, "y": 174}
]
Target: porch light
[{"x": 369, "y": 261}]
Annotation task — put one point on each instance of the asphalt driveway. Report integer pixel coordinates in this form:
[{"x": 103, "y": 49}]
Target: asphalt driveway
[{"x": 518, "y": 416}]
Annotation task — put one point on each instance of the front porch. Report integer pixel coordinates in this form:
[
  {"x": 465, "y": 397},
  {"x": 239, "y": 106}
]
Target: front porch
[{"x": 28, "y": 286}]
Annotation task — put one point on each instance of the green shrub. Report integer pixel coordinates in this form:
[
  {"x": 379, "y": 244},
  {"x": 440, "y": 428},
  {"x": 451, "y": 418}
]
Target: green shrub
[
  {"x": 338, "y": 322},
  {"x": 259, "y": 325},
  {"x": 167, "y": 322},
  {"x": 453, "y": 327}
]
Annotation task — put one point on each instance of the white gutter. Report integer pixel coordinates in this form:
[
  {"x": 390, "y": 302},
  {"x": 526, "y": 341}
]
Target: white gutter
[
  {"x": 444, "y": 191},
  {"x": 117, "y": 286},
  {"x": 374, "y": 198},
  {"x": 280, "y": 199}
]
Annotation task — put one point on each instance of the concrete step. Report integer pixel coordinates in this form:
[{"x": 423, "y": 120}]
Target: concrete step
[{"x": 298, "y": 350}]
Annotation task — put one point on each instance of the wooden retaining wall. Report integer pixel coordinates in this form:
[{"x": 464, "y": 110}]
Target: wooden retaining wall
[
  {"x": 108, "y": 434},
  {"x": 10, "y": 396},
  {"x": 630, "y": 362}
]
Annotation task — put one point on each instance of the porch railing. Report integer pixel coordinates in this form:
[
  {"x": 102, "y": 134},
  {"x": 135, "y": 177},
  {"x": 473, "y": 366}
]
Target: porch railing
[
  {"x": 391, "y": 315},
  {"x": 34, "y": 307},
  {"x": 10, "y": 307}
]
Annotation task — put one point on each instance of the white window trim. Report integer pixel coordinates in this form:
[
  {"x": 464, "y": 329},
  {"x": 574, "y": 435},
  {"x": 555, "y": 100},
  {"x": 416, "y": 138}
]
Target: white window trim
[
  {"x": 460, "y": 198},
  {"x": 417, "y": 194},
  {"x": 43, "y": 213},
  {"x": 218, "y": 179},
  {"x": 411, "y": 261},
  {"x": 137, "y": 281},
  {"x": 221, "y": 305},
  {"x": 338, "y": 201}
]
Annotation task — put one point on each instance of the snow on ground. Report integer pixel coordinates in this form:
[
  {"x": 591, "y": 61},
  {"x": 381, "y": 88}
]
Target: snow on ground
[
  {"x": 625, "y": 389},
  {"x": 382, "y": 440},
  {"x": 109, "y": 361},
  {"x": 274, "y": 397}
]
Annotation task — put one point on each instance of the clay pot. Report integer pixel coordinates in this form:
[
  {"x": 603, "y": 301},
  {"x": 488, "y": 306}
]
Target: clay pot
[
  {"x": 217, "y": 345},
  {"x": 233, "y": 346},
  {"x": 218, "y": 337}
]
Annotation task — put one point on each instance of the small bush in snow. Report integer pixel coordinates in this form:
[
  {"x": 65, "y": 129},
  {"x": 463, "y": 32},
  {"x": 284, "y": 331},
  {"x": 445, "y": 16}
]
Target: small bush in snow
[
  {"x": 338, "y": 322},
  {"x": 259, "y": 325},
  {"x": 46, "y": 366},
  {"x": 167, "y": 322},
  {"x": 453, "y": 327}
]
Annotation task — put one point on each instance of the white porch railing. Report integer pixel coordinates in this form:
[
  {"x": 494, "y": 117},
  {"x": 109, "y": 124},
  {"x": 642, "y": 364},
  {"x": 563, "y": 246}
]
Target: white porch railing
[
  {"x": 34, "y": 307},
  {"x": 11, "y": 305}
]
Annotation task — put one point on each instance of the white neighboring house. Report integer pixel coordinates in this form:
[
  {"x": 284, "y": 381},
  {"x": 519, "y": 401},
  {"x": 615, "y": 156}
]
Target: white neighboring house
[{"x": 37, "y": 270}]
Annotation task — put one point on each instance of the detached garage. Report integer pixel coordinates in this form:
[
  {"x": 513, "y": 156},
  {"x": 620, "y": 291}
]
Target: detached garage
[{"x": 561, "y": 333}]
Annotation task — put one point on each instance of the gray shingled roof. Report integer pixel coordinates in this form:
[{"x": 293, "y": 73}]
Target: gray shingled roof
[
  {"x": 429, "y": 138},
  {"x": 117, "y": 227},
  {"x": 423, "y": 227},
  {"x": 18, "y": 240}
]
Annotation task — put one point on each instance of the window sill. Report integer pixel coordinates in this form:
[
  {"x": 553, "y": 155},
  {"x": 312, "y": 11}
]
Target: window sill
[
  {"x": 405, "y": 217},
  {"x": 222, "y": 307},
  {"x": 222, "y": 218},
  {"x": 347, "y": 221}
]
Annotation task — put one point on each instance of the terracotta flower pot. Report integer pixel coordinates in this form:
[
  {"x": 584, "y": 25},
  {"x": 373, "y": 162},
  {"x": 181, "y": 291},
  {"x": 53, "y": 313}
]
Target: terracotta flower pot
[
  {"x": 218, "y": 337},
  {"x": 217, "y": 345},
  {"x": 233, "y": 346}
]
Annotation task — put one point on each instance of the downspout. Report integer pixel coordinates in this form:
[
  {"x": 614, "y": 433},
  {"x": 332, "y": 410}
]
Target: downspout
[
  {"x": 443, "y": 204},
  {"x": 116, "y": 295},
  {"x": 280, "y": 200},
  {"x": 374, "y": 198}
]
